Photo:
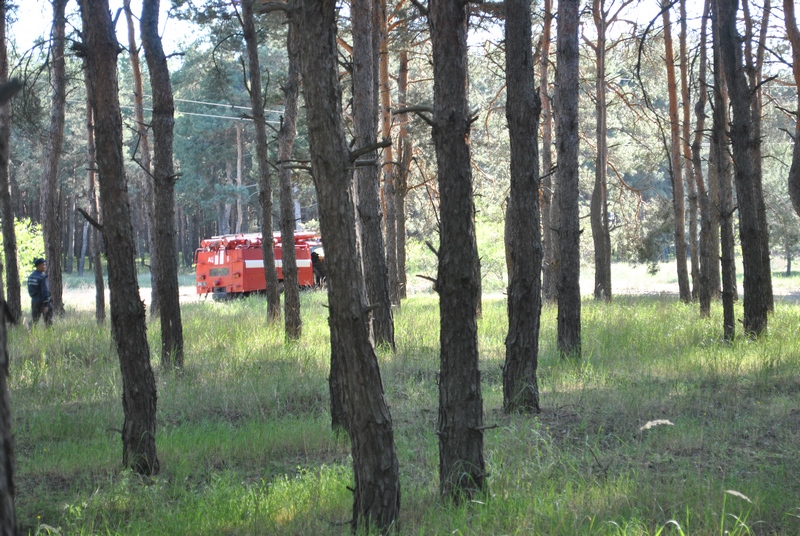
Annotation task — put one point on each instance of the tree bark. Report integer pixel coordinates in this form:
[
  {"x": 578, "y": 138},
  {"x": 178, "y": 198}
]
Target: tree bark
[
  {"x": 163, "y": 189},
  {"x": 376, "y": 494},
  {"x": 523, "y": 106},
  {"x": 96, "y": 236},
  {"x": 462, "y": 472},
  {"x": 262, "y": 151},
  {"x": 708, "y": 246},
  {"x": 549, "y": 238},
  {"x": 143, "y": 143},
  {"x": 569, "y": 263},
  {"x": 127, "y": 310},
  {"x": 601, "y": 235},
  {"x": 391, "y": 171},
  {"x": 719, "y": 173},
  {"x": 754, "y": 72},
  {"x": 69, "y": 243},
  {"x": 746, "y": 150},
  {"x": 240, "y": 177},
  {"x": 367, "y": 176},
  {"x": 14, "y": 302},
  {"x": 794, "y": 38},
  {"x": 405, "y": 150},
  {"x": 51, "y": 221},
  {"x": 8, "y": 515},
  {"x": 678, "y": 201},
  {"x": 94, "y": 205},
  {"x": 687, "y": 162},
  {"x": 286, "y": 135}
]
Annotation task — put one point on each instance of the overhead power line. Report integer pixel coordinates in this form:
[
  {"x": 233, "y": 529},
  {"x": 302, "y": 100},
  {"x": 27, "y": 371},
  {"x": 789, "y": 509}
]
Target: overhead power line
[
  {"x": 221, "y": 105},
  {"x": 179, "y": 112}
]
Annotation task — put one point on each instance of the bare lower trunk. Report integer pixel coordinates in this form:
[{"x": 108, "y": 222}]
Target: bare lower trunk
[
  {"x": 127, "y": 311},
  {"x": 240, "y": 178},
  {"x": 549, "y": 238},
  {"x": 69, "y": 249},
  {"x": 376, "y": 493},
  {"x": 8, "y": 515},
  {"x": 291, "y": 292},
  {"x": 520, "y": 385},
  {"x": 462, "y": 472},
  {"x": 84, "y": 247},
  {"x": 164, "y": 189},
  {"x": 143, "y": 157},
  {"x": 94, "y": 210},
  {"x": 708, "y": 246},
  {"x": 569, "y": 262},
  {"x": 367, "y": 174},
  {"x": 601, "y": 236},
  {"x": 401, "y": 177},
  {"x": 676, "y": 166},
  {"x": 719, "y": 165},
  {"x": 14, "y": 300},
  {"x": 746, "y": 151},
  {"x": 51, "y": 220},
  {"x": 262, "y": 151},
  {"x": 694, "y": 248}
]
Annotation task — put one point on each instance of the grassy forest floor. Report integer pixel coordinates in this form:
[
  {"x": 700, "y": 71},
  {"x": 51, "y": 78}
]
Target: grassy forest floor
[{"x": 245, "y": 445}]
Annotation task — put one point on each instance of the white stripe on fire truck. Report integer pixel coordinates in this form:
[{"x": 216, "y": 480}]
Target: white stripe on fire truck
[{"x": 301, "y": 263}]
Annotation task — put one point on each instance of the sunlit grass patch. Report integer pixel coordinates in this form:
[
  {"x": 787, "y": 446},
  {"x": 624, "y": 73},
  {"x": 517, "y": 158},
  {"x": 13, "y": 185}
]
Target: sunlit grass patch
[{"x": 245, "y": 445}]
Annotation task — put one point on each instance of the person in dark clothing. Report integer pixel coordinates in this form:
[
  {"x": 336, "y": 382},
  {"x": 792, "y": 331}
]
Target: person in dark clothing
[{"x": 39, "y": 291}]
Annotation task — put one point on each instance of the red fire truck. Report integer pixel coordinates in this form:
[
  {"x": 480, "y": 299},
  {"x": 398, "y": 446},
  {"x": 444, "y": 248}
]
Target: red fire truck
[{"x": 231, "y": 266}]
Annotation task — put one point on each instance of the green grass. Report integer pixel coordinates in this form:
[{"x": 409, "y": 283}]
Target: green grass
[{"x": 245, "y": 446}]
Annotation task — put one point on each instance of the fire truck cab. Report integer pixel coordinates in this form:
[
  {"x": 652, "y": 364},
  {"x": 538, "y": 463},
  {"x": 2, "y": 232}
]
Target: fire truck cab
[{"x": 230, "y": 266}]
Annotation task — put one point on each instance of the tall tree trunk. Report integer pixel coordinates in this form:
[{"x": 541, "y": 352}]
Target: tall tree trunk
[
  {"x": 720, "y": 176},
  {"x": 143, "y": 142},
  {"x": 746, "y": 150},
  {"x": 569, "y": 263},
  {"x": 163, "y": 189},
  {"x": 227, "y": 207},
  {"x": 754, "y": 72},
  {"x": 462, "y": 472},
  {"x": 793, "y": 33},
  {"x": 96, "y": 237},
  {"x": 401, "y": 177},
  {"x": 687, "y": 161},
  {"x": 391, "y": 200},
  {"x": 678, "y": 202},
  {"x": 601, "y": 236},
  {"x": 286, "y": 136},
  {"x": 127, "y": 310},
  {"x": 51, "y": 221},
  {"x": 69, "y": 243},
  {"x": 549, "y": 238},
  {"x": 84, "y": 247},
  {"x": 240, "y": 179},
  {"x": 8, "y": 515},
  {"x": 376, "y": 494},
  {"x": 367, "y": 176},
  {"x": 262, "y": 151},
  {"x": 523, "y": 106},
  {"x": 708, "y": 247},
  {"x": 14, "y": 302}
]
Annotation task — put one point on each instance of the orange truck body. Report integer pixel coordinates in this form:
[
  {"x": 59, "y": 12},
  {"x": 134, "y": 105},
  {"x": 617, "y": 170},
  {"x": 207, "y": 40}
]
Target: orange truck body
[{"x": 231, "y": 266}]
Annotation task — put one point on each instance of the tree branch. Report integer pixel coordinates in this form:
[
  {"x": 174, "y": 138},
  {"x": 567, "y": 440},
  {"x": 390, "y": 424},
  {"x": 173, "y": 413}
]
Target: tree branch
[
  {"x": 91, "y": 220},
  {"x": 419, "y": 111},
  {"x": 369, "y": 148}
]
